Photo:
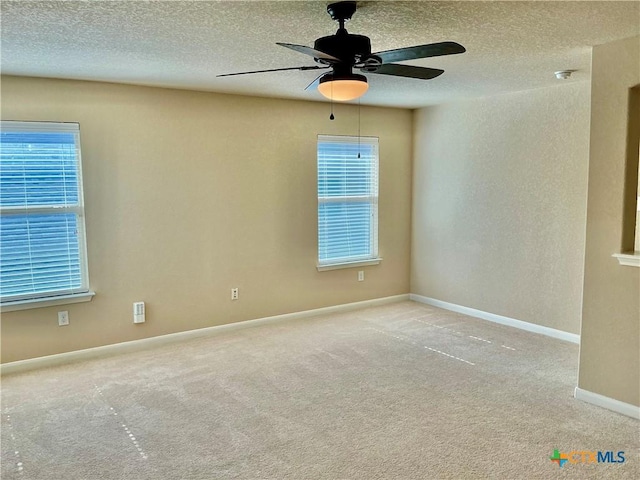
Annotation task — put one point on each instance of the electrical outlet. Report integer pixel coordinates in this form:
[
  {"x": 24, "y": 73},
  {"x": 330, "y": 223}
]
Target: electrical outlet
[
  {"x": 361, "y": 276},
  {"x": 63, "y": 318},
  {"x": 138, "y": 312},
  {"x": 234, "y": 293}
]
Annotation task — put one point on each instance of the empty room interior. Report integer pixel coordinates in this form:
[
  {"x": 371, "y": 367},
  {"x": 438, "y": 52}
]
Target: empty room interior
[{"x": 306, "y": 239}]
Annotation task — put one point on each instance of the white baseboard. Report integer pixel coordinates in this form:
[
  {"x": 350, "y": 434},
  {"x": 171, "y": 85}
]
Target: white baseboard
[
  {"x": 608, "y": 403},
  {"x": 136, "y": 345},
  {"x": 492, "y": 317}
]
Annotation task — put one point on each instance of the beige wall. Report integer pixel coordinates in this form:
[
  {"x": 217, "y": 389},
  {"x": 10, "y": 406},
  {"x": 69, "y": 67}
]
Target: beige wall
[
  {"x": 189, "y": 194},
  {"x": 499, "y": 204},
  {"x": 610, "y": 343}
]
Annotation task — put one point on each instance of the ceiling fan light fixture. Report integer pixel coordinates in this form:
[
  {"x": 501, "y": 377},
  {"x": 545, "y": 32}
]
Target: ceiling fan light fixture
[{"x": 344, "y": 87}]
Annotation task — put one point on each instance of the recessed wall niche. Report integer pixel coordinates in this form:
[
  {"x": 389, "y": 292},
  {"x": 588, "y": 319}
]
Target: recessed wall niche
[{"x": 631, "y": 217}]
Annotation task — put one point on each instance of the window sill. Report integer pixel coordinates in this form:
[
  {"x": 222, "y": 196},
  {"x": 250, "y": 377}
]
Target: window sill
[
  {"x": 359, "y": 263},
  {"x": 629, "y": 259},
  {"x": 46, "y": 302}
]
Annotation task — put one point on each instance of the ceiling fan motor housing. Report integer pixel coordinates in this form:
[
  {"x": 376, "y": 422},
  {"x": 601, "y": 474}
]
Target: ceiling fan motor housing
[{"x": 345, "y": 46}]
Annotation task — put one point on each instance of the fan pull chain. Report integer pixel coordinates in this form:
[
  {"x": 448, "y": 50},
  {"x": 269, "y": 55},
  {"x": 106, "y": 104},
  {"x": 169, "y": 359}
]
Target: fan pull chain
[
  {"x": 331, "y": 117},
  {"x": 359, "y": 108}
]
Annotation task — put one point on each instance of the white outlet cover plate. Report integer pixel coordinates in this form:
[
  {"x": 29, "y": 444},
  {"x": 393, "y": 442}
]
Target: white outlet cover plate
[{"x": 63, "y": 318}]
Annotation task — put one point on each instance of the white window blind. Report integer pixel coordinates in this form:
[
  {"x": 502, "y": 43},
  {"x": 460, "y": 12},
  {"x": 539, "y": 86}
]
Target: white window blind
[
  {"x": 42, "y": 238},
  {"x": 347, "y": 199}
]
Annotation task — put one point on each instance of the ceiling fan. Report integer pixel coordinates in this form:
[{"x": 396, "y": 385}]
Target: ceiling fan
[{"x": 344, "y": 52}]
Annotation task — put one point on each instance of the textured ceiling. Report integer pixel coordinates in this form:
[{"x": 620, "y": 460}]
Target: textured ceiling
[{"x": 511, "y": 46}]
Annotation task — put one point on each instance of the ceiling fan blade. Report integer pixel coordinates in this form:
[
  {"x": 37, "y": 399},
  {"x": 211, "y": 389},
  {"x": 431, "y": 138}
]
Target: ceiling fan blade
[
  {"x": 314, "y": 67},
  {"x": 421, "y": 51},
  {"x": 315, "y": 83},
  {"x": 309, "y": 51},
  {"x": 407, "y": 71}
]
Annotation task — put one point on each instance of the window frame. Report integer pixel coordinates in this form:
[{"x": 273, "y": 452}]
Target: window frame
[
  {"x": 53, "y": 296},
  {"x": 372, "y": 198}
]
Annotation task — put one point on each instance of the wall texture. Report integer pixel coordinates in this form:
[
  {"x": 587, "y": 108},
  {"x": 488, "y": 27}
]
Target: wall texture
[
  {"x": 610, "y": 343},
  {"x": 189, "y": 194},
  {"x": 499, "y": 204}
]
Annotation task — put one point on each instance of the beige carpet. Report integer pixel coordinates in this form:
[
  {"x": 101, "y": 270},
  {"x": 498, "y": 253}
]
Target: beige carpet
[{"x": 402, "y": 391}]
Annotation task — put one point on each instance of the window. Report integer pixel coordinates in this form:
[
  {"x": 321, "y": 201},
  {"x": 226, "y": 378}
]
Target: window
[
  {"x": 347, "y": 201},
  {"x": 42, "y": 238}
]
